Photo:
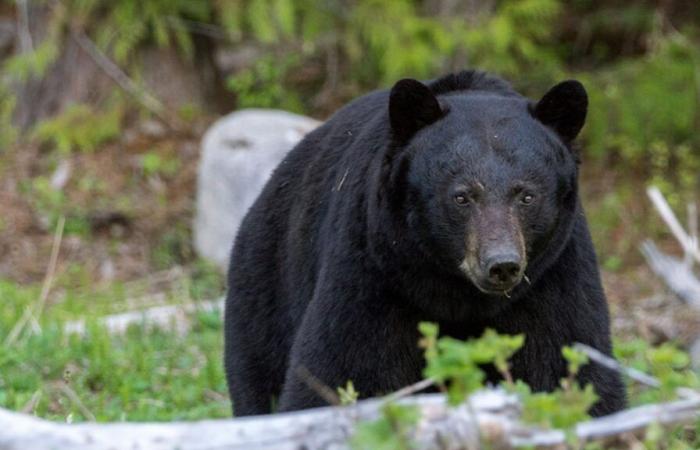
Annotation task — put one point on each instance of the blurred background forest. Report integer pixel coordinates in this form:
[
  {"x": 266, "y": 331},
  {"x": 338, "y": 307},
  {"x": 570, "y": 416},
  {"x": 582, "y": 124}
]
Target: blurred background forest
[{"x": 103, "y": 104}]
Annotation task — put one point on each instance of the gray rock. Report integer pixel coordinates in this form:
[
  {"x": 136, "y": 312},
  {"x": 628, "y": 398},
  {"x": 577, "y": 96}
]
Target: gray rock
[{"x": 239, "y": 152}]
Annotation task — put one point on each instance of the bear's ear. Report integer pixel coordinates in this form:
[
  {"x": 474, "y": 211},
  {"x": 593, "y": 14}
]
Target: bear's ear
[
  {"x": 412, "y": 106},
  {"x": 563, "y": 108}
]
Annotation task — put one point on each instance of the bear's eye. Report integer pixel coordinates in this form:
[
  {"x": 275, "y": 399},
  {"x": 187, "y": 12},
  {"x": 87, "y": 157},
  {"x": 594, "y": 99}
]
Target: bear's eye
[
  {"x": 461, "y": 199},
  {"x": 526, "y": 199}
]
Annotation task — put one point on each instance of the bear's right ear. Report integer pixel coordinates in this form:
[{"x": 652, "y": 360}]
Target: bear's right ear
[{"x": 412, "y": 106}]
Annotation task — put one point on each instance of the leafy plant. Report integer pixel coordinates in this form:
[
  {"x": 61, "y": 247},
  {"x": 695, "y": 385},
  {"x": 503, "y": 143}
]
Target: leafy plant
[
  {"x": 125, "y": 25},
  {"x": 80, "y": 128},
  {"x": 667, "y": 363},
  {"x": 389, "y": 432},
  {"x": 646, "y": 111},
  {"x": 173, "y": 248},
  {"x": 262, "y": 85},
  {"x": 352, "y": 43},
  {"x": 458, "y": 365},
  {"x": 563, "y": 407},
  {"x": 155, "y": 164},
  {"x": 348, "y": 395},
  {"x": 50, "y": 204},
  {"x": 8, "y": 133},
  {"x": 32, "y": 64}
]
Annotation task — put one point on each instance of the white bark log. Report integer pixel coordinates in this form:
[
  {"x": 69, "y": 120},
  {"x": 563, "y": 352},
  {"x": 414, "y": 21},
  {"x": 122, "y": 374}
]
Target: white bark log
[
  {"x": 175, "y": 317},
  {"x": 490, "y": 416},
  {"x": 322, "y": 428}
]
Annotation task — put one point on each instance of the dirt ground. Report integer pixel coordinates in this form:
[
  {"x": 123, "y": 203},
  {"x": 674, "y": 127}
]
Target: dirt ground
[{"x": 125, "y": 218}]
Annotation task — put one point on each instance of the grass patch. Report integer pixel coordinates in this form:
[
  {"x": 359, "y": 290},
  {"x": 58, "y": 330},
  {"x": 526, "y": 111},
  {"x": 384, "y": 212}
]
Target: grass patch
[{"x": 145, "y": 374}]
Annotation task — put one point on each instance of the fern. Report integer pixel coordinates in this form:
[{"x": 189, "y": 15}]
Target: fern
[{"x": 127, "y": 24}]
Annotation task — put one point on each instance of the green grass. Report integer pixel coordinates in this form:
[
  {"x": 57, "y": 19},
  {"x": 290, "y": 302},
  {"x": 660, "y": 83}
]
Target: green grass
[{"x": 145, "y": 374}]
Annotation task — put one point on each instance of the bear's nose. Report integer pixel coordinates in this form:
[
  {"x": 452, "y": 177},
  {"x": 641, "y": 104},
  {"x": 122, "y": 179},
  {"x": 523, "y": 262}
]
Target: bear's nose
[{"x": 504, "y": 269}]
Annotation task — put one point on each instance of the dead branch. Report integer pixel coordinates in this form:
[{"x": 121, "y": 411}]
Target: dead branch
[
  {"x": 677, "y": 275},
  {"x": 637, "y": 420},
  {"x": 490, "y": 418},
  {"x": 689, "y": 245},
  {"x": 596, "y": 356},
  {"x": 113, "y": 71},
  {"x": 32, "y": 313}
]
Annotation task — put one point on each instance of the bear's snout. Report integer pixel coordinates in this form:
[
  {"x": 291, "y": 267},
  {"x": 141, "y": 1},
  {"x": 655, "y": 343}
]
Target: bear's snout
[
  {"x": 495, "y": 259},
  {"x": 501, "y": 263},
  {"x": 504, "y": 270}
]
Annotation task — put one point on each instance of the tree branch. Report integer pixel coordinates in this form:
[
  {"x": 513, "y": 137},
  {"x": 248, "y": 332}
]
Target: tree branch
[{"x": 113, "y": 71}]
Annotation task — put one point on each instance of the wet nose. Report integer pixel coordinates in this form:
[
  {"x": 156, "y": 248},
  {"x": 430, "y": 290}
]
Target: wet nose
[{"x": 504, "y": 269}]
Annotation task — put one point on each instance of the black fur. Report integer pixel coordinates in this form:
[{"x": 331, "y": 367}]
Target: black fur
[
  {"x": 357, "y": 238},
  {"x": 564, "y": 109},
  {"x": 412, "y": 106}
]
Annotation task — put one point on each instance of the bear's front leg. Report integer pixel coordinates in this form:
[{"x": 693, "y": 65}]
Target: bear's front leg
[{"x": 365, "y": 340}]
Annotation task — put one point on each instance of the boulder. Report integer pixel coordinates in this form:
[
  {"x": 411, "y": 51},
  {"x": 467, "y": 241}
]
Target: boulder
[{"x": 239, "y": 152}]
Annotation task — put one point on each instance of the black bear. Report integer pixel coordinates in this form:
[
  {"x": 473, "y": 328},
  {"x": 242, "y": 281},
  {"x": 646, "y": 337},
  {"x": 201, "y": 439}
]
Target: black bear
[{"x": 455, "y": 202}]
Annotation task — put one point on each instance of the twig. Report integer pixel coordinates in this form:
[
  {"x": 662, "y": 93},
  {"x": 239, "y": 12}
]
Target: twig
[
  {"x": 73, "y": 397},
  {"x": 112, "y": 70},
  {"x": 410, "y": 390},
  {"x": 34, "y": 313},
  {"x": 31, "y": 404},
  {"x": 215, "y": 396},
  {"x": 610, "y": 363},
  {"x": 318, "y": 386},
  {"x": 48, "y": 279}
]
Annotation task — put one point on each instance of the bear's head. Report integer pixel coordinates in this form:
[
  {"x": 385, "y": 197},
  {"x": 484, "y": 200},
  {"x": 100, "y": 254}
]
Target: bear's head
[{"x": 484, "y": 181}]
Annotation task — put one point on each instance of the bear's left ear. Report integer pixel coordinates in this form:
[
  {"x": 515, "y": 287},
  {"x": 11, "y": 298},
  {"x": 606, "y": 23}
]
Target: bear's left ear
[
  {"x": 563, "y": 108},
  {"x": 412, "y": 106}
]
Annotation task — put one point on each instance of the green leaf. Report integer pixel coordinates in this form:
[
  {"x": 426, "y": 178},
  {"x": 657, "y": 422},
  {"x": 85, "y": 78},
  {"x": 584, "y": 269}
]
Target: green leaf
[{"x": 348, "y": 395}]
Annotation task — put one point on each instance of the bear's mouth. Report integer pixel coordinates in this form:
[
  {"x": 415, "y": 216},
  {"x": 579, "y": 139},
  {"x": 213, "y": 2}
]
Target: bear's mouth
[
  {"x": 496, "y": 291},
  {"x": 481, "y": 283}
]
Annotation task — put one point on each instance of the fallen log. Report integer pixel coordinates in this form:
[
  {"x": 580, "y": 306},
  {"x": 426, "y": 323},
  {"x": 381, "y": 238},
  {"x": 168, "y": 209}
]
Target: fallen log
[
  {"x": 488, "y": 420},
  {"x": 176, "y": 317}
]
